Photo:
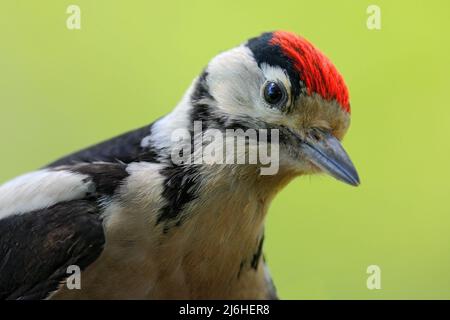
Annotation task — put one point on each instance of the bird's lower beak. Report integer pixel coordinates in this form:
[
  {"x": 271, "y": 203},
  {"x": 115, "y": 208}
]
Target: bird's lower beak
[{"x": 328, "y": 154}]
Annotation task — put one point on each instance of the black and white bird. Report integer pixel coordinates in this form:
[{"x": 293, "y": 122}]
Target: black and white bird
[{"x": 142, "y": 226}]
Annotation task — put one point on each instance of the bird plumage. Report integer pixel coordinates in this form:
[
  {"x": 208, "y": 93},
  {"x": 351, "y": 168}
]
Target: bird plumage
[{"x": 140, "y": 225}]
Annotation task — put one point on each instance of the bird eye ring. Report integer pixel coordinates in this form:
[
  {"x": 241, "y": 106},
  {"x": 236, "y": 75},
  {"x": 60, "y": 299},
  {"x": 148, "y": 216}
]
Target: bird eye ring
[{"x": 274, "y": 93}]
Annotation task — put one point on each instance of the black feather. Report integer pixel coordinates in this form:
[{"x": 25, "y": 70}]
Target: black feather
[
  {"x": 37, "y": 247},
  {"x": 125, "y": 148}
]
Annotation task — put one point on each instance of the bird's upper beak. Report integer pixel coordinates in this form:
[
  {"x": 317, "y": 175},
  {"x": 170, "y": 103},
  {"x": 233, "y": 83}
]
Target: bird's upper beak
[{"x": 327, "y": 153}]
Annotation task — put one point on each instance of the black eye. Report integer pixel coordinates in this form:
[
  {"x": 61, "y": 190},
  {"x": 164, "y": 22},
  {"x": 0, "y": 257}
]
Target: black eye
[{"x": 273, "y": 93}]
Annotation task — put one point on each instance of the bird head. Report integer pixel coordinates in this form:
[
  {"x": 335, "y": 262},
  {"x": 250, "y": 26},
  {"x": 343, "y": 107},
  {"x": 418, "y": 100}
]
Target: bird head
[{"x": 280, "y": 80}]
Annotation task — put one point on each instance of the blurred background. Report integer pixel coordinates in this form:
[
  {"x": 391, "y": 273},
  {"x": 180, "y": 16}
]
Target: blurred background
[{"x": 62, "y": 90}]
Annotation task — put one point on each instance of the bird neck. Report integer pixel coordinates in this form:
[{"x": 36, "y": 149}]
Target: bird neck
[
  {"x": 212, "y": 218},
  {"x": 237, "y": 200},
  {"x": 223, "y": 232},
  {"x": 216, "y": 211}
]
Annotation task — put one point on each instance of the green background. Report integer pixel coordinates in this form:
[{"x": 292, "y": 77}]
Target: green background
[{"x": 61, "y": 90}]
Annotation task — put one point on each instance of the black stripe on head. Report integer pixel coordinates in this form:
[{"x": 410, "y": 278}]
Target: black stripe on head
[
  {"x": 201, "y": 90},
  {"x": 202, "y": 104},
  {"x": 265, "y": 52}
]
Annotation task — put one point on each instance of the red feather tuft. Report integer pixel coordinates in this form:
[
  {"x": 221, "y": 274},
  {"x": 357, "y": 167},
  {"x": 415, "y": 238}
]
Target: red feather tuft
[{"x": 316, "y": 71}]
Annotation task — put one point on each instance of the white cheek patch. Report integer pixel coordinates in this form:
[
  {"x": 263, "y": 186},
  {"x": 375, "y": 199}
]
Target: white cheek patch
[
  {"x": 42, "y": 189},
  {"x": 234, "y": 80}
]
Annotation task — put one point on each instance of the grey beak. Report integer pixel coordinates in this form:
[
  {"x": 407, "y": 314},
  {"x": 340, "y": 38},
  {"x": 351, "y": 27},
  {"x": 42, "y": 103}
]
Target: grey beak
[{"x": 328, "y": 154}]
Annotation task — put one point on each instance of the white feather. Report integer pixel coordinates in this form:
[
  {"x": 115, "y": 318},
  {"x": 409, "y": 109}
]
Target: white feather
[{"x": 41, "y": 189}]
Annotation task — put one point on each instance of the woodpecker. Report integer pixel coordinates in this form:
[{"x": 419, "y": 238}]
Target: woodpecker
[{"x": 140, "y": 225}]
